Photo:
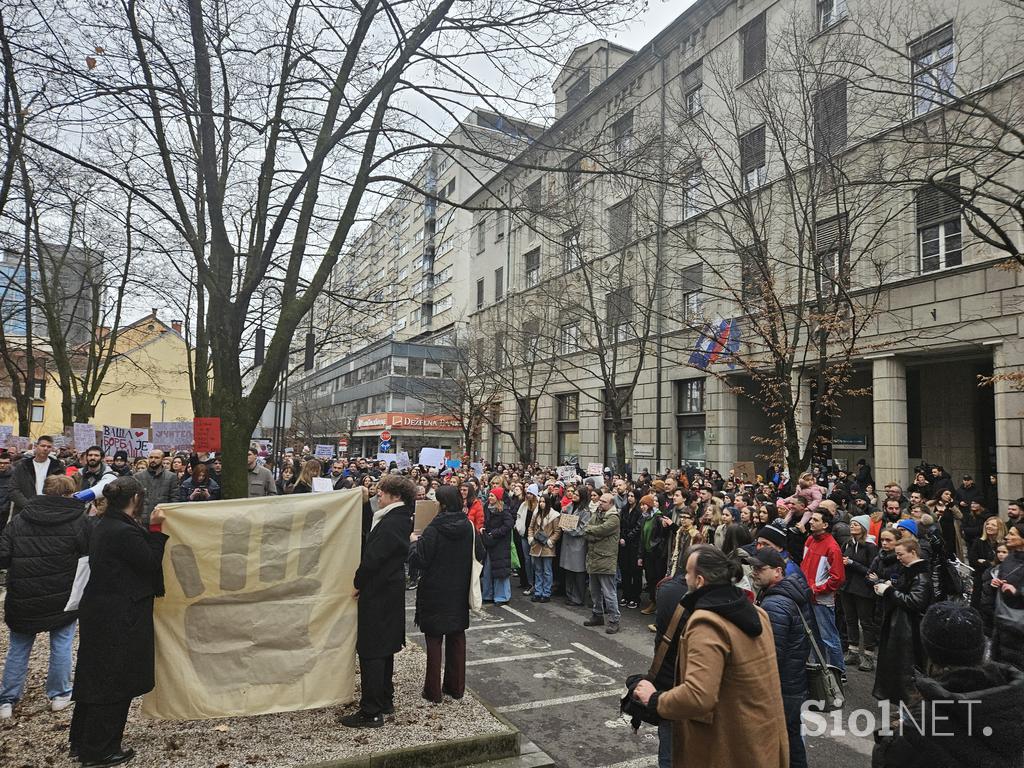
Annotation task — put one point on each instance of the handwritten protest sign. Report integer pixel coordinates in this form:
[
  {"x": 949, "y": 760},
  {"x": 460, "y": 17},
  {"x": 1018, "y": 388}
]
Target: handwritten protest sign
[
  {"x": 322, "y": 485},
  {"x": 594, "y": 468},
  {"x": 83, "y": 435},
  {"x": 131, "y": 440},
  {"x": 431, "y": 457},
  {"x": 568, "y": 522},
  {"x": 173, "y": 435},
  {"x": 403, "y": 460},
  {"x": 324, "y": 452},
  {"x": 206, "y": 433},
  {"x": 5, "y": 433}
]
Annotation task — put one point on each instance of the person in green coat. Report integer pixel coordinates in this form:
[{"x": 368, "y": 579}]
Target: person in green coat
[{"x": 602, "y": 535}]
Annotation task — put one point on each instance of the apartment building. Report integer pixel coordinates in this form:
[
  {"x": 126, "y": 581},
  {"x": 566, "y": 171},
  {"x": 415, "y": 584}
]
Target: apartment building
[{"x": 755, "y": 159}]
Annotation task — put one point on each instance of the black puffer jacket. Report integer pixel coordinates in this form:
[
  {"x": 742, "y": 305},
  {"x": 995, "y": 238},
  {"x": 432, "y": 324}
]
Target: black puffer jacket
[
  {"x": 443, "y": 556},
  {"x": 498, "y": 525},
  {"x": 861, "y": 555},
  {"x": 969, "y": 716},
  {"x": 41, "y": 548},
  {"x": 900, "y": 649},
  {"x": 784, "y": 603}
]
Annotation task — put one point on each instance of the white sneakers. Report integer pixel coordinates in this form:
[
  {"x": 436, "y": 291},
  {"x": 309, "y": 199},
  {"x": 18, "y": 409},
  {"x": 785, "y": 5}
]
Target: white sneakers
[
  {"x": 58, "y": 703},
  {"x": 6, "y": 710}
]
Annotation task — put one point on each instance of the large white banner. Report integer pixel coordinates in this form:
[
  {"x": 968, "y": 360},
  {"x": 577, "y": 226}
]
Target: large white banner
[{"x": 258, "y": 615}]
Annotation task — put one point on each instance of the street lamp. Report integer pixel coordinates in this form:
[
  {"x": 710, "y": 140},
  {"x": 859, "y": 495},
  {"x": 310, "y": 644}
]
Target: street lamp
[{"x": 163, "y": 405}]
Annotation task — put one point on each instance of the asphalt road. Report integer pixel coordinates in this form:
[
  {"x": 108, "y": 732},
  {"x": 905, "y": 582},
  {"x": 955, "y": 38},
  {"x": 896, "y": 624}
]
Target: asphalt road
[{"x": 560, "y": 683}]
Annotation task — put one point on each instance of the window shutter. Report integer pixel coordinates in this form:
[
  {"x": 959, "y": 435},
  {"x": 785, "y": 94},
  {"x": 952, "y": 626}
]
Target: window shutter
[
  {"x": 693, "y": 77},
  {"x": 755, "y": 40},
  {"x": 932, "y": 41},
  {"x": 752, "y": 150},
  {"x": 830, "y": 234},
  {"x": 935, "y": 205},
  {"x": 692, "y": 279},
  {"x": 830, "y": 121}
]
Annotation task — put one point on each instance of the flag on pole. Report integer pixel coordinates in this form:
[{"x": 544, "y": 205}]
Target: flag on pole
[{"x": 718, "y": 340}]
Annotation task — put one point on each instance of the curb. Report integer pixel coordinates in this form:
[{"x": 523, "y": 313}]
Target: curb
[{"x": 443, "y": 754}]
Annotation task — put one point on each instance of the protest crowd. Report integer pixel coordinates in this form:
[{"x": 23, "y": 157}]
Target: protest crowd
[{"x": 763, "y": 593}]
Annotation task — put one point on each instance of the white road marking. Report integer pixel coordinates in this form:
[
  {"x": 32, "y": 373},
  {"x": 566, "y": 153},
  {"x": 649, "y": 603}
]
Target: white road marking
[
  {"x": 479, "y": 626},
  {"x": 522, "y": 616},
  {"x": 636, "y": 762},
  {"x": 527, "y": 705},
  {"x": 520, "y": 657},
  {"x": 597, "y": 655}
]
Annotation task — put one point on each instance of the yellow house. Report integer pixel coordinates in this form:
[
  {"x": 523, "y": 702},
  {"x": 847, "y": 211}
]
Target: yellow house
[{"x": 147, "y": 381}]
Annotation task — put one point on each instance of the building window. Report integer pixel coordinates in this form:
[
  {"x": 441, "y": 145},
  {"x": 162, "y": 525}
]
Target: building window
[
  {"x": 415, "y": 366},
  {"x": 752, "y": 158},
  {"x": 694, "y": 192},
  {"x": 692, "y": 87},
  {"x": 624, "y": 396},
  {"x": 619, "y": 309},
  {"x": 574, "y": 171},
  {"x": 568, "y": 338},
  {"x": 480, "y": 293},
  {"x": 37, "y": 413},
  {"x": 531, "y": 339},
  {"x": 527, "y": 424},
  {"x": 499, "y": 283},
  {"x": 933, "y": 66},
  {"x": 532, "y": 259},
  {"x": 567, "y": 425},
  {"x": 691, "y": 396},
  {"x": 532, "y": 198},
  {"x": 692, "y": 288},
  {"x": 753, "y": 275},
  {"x": 622, "y": 134},
  {"x": 830, "y": 122},
  {"x": 830, "y": 254},
  {"x": 830, "y": 12},
  {"x": 499, "y": 226},
  {"x": 577, "y": 91},
  {"x": 36, "y": 388},
  {"x": 754, "y": 42},
  {"x": 481, "y": 235},
  {"x": 400, "y": 366},
  {"x": 938, "y": 225},
  {"x": 690, "y": 419},
  {"x": 499, "y": 349},
  {"x": 572, "y": 255},
  {"x": 620, "y": 225}
]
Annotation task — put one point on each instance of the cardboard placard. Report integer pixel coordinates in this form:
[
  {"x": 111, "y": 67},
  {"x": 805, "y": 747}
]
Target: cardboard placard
[
  {"x": 478, "y": 469},
  {"x": 206, "y": 434},
  {"x": 387, "y": 458},
  {"x": 431, "y": 457},
  {"x": 595, "y": 468},
  {"x": 403, "y": 460},
  {"x": 5, "y": 433},
  {"x": 568, "y": 522},
  {"x": 83, "y": 435},
  {"x": 426, "y": 510},
  {"x": 322, "y": 485},
  {"x": 173, "y": 435},
  {"x": 134, "y": 441},
  {"x": 744, "y": 471},
  {"x": 324, "y": 452},
  {"x": 566, "y": 473}
]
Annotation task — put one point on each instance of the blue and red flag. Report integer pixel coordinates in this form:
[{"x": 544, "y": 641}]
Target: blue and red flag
[{"x": 719, "y": 340}]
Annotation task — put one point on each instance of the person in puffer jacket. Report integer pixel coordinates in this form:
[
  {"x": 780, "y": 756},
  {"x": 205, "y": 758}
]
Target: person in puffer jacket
[{"x": 40, "y": 549}]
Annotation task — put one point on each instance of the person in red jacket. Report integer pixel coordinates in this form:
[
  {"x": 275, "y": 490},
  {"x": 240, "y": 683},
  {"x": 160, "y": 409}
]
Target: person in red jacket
[
  {"x": 473, "y": 506},
  {"x": 822, "y": 565}
]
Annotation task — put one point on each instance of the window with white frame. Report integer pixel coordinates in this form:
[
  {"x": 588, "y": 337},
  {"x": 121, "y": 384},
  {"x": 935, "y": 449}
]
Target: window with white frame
[
  {"x": 691, "y": 286},
  {"x": 694, "y": 192},
  {"x": 933, "y": 67},
  {"x": 568, "y": 337},
  {"x": 831, "y": 254},
  {"x": 572, "y": 253},
  {"x": 532, "y": 267},
  {"x": 443, "y": 305},
  {"x": 753, "y": 162},
  {"x": 939, "y": 237},
  {"x": 620, "y": 224},
  {"x": 830, "y": 12},
  {"x": 622, "y": 134},
  {"x": 499, "y": 226},
  {"x": 481, "y": 235},
  {"x": 38, "y": 412},
  {"x": 619, "y": 313},
  {"x": 692, "y": 88},
  {"x": 499, "y": 283},
  {"x": 480, "y": 293}
]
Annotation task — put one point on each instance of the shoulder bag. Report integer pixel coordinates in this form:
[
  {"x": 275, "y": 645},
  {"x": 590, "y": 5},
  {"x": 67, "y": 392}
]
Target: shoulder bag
[
  {"x": 822, "y": 680},
  {"x": 630, "y": 706},
  {"x": 476, "y": 598}
]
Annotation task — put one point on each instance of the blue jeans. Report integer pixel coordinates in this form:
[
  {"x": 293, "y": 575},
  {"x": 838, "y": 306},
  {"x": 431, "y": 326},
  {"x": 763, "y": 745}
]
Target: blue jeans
[
  {"x": 498, "y": 590},
  {"x": 58, "y": 679},
  {"x": 542, "y": 576},
  {"x": 665, "y": 744},
  {"x": 826, "y": 618}
]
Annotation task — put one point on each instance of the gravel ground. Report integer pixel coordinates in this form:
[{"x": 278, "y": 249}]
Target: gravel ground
[{"x": 36, "y": 737}]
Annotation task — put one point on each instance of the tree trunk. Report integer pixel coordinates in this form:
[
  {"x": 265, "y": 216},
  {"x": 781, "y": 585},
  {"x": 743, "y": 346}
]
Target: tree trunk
[
  {"x": 236, "y": 428},
  {"x": 620, "y": 445}
]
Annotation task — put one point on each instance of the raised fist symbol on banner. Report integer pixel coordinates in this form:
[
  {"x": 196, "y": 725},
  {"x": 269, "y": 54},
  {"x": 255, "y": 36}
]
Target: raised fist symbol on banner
[{"x": 254, "y": 633}]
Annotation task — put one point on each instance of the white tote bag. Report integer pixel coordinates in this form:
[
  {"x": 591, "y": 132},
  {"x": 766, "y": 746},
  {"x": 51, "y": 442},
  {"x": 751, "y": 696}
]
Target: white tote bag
[
  {"x": 81, "y": 579},
  {"x": 476, "y": 598}
]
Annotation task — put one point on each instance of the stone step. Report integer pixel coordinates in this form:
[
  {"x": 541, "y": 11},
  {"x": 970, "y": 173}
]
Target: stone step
[{"x": 530, "y": 756}]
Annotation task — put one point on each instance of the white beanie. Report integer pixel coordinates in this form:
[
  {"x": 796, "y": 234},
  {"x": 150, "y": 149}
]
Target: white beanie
[{"x": 533, "y": 490}]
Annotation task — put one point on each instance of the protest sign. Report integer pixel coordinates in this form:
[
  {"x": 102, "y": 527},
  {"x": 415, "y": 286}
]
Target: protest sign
[
  {"x": 254, "y": 619},
  {"x": 566, "y": 473},
  {"x": 431, "y": 457},
  {"x": 206, "y": 434},
  {"x": 324, "y": 451},
  {"x": 403, "y": 460},
  {"x": 426, "y": 510},
  {"x": 83, "y": 435},
  {"x": 453, "y": 463},
  {"x": 595, "y": 469},
  {"x": 387, "y": 458},
  {"x": 172, "y": 435},
  {"x": 61, "y": 441},
  {"x": 322, "y": 485},
  {"x": 743, "y": 471},
  {"x": 131, "y": 440},
  {"x": 5, "y": 433},
  {"x": 478, "y": 469},
  {"x": 568, "y": 522}
]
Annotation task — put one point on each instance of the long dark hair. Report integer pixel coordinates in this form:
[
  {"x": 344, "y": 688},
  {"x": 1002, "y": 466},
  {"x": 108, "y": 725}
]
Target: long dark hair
[
  {"x": 450, "y": 500},
  {"x": 736, "y": 536}
]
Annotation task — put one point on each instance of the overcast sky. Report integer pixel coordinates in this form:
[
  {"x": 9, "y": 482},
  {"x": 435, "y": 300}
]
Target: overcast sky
[{"x": 657, "y": 16}]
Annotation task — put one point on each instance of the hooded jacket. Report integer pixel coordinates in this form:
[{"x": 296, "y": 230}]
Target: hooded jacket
[
  {"x": 22, "y": 485},
  {"x": 442, "y": 555},
  {"x": 822, "y": 565},
  {"x": 550, "y": 530},
  {"x": 726, "y": 674},
  {"x": 784, "y": 604},
  {"x": 40, "y": 549},
  {"x": 900, "y": 650},
  {"x": 949, "y": 732}
]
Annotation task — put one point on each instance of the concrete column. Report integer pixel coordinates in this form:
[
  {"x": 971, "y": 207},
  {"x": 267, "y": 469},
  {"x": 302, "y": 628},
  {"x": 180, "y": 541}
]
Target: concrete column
[
  {"x": 721, "y": 408},
  {"x": 1008, "y": 357},
  {"x": 889, "y": 399}
]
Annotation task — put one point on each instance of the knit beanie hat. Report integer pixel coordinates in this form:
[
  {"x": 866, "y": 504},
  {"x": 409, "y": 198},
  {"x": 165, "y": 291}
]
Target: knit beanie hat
[
  {"x": 953, "y": 635},
  {"x": 498, "y": 491},
  {"x": 863, "y": 520},
  {"x": 533, "y": 490},
  {"x": 658, "y": 485},
  {"x": 775, "y": 535},
  {"x": 649, "y": 501},
  {"x": 910, "y": 525}
]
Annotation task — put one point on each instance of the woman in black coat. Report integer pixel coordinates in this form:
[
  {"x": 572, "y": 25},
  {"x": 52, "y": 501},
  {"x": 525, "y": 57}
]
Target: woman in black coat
[
  {"x": 497, "y": 535},
  {"x": 857, "y": 595},
  {"x": 115, "y": 648},
  {"x": 442, "y": 555},
  {"x": 629, "y": 541},
  {"x": 900, "y": 650}
]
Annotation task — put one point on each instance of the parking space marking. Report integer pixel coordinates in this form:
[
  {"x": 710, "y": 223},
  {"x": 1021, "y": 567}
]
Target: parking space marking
[
  {"x": 598, "y": 656},
  {"x": 527, "y": 705},
  {"x": 520, "y": 657},
  {"x": 479, "y": 626},
  {"x": 522, "y": 616},
  {"x": 636, "y": 762}
]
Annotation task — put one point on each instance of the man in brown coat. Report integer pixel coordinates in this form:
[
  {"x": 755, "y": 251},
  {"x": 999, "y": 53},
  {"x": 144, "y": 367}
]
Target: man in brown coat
[{"x": 726, "y": 665}]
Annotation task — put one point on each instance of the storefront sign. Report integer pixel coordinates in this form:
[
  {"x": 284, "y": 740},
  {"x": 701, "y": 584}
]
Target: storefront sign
[{"x": 407, "y": 421}]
